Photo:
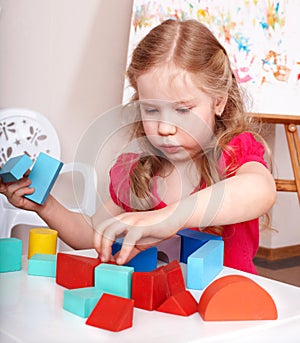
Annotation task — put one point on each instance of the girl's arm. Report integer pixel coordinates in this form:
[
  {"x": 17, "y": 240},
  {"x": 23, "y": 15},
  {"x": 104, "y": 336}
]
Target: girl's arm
[
  {"x": 76, "y": 229},
  {"x": 247, "y": 195},
  {"x": 73, "y": 228}
]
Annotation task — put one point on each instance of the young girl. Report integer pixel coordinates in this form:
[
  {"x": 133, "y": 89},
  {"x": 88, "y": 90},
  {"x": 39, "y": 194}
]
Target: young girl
[{"x": 201, "y": 167}]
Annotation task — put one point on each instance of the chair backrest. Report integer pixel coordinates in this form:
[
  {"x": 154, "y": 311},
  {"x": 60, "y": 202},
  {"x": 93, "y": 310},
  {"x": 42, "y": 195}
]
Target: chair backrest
[{"x": 26, "y": 131}]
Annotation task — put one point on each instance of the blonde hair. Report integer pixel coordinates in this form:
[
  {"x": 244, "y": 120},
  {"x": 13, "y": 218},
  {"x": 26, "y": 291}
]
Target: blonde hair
[{"x": 191, "y": 46}]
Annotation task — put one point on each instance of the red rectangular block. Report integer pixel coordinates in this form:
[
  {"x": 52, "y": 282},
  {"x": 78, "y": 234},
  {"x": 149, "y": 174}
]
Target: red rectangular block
[
  {"x": 149, "y": 289},
  {"x": 73, "y": 271}
]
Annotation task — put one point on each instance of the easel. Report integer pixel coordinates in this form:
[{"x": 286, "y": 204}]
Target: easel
[{"x": 290, "y": 123}]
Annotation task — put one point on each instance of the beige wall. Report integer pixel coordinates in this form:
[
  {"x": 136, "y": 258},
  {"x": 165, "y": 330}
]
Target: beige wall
[{"x": 66, "y": 59}]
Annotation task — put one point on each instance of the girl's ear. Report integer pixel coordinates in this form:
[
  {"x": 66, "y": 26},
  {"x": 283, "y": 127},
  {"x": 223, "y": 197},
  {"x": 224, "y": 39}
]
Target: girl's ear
[{"x": 220, "y": 105}]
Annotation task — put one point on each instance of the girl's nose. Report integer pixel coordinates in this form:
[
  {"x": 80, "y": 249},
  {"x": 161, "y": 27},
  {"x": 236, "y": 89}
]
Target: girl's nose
[{"x": 166, "y": 129}]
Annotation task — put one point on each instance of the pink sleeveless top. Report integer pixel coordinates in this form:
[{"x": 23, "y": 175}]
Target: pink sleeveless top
[{"x": 241, "y": 240}]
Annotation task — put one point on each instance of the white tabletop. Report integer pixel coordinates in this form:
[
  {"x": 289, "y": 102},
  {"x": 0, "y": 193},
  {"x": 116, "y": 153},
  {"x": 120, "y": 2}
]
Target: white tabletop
[{"x": 31, "y": 311}]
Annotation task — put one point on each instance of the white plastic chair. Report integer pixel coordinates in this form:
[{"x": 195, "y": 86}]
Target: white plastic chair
[{"x": 25, "y": 131}]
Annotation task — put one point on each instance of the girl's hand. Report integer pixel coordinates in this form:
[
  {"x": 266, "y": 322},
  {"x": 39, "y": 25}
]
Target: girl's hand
[
  {"x": 141, "y": 230},
  {"x": 15, "y": 191}
]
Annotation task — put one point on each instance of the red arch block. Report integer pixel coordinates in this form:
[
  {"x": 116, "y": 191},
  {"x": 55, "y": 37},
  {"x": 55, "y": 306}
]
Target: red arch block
[{"x": 236, "y": 297}]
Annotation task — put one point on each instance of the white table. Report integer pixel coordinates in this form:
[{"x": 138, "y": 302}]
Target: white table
[{"x": 31, "y": 311}]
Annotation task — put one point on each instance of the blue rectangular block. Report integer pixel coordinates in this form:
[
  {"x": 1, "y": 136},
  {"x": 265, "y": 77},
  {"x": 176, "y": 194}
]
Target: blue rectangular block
[
  {"x": 145, "y": 261},
  {"x": 191, "y": 240},
  {"x": 81, "y": 301},
  {"x": 205, "y": 264},
  {"x": 42, "y": 265},
  {"x": 10, "y": 255},
  {"x": 15, "y": 168},
  {"x": 114, "y": 279},
  {"x": 43, "y": 176}
]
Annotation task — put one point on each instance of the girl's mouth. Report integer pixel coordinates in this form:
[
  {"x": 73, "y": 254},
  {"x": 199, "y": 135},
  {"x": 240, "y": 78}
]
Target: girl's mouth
[{"x": 170, "y": 149}]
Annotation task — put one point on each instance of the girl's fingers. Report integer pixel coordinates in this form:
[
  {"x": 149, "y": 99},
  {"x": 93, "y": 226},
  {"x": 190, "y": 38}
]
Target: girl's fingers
[
  {"x": 2, "y": 186},
  {"x": 135, "y": 235},
  {"x": 22, "y": 184},
  {"x": 98, "y": 234},
  {"x": 128, "y": 250},
  {"x": 131, "y": 255},
  {"x": 109, "y": 236},
  {"x": 97, "y": 242}
]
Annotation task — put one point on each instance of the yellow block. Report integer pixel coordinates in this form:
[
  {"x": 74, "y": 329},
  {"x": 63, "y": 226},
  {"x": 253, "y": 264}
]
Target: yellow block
[{"x": 42, "y": 241}]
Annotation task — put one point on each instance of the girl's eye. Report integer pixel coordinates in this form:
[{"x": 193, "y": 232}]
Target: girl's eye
[
  {"x": 183, "y": 110},
  {"x": 150, "y": 110}
]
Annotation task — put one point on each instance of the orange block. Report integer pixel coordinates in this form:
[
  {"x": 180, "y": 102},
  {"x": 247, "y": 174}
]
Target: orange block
[{"x": 236, "y": 297}]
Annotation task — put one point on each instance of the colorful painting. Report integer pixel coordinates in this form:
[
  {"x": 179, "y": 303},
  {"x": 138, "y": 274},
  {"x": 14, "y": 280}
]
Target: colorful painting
[{"x": 261, "y": 37}]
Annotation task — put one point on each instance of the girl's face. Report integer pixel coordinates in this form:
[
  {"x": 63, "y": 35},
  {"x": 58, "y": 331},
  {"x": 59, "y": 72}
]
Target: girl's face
[{"x": 178, "y": 118}]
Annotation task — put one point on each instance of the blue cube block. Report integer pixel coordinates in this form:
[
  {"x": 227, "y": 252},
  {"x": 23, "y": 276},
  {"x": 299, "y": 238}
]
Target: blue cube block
[
  {"x": 43, "y": 176},
  {"x": 15, "y": 168},
  {"x": 191, "y": 240},
  {"x": 42, "y": 265},
  {"x": 145, "y": 261},
  {"x": 10, "y": 255},
  {"x": 114, "y": 279},
  {"x": 205, "y": 264},
  {"x": 81, "y": 301}
]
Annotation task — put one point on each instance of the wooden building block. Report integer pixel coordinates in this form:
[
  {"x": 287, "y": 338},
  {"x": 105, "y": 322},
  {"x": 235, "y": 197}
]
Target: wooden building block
[
  {"x": 43, "y": 176},
  {"x": 42, "y": 241},
  {"x": 10, "y": 255},
  {"x": 182, "y": 304},
  {"x": 236, "y": 297},
  {"x": 15, "y": 168},
  {"x": 192, "y": 240},
  {"x": 114, "y": 279},
  {"x": 145, "y": 261},
  {"x": 149, "y": 289},
  {"x": 73, "y": 271},
  {"x": 169, "y": 249},
  {"x": 175, "y": 279},
  {"x": 205, "y": 264},
  {"x": 42, "y": 265},
  {"x": 81, "y": 301},
  {"x": 112, "y": 313}
]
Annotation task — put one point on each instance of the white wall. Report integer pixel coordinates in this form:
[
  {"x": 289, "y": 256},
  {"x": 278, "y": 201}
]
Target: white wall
[{"x": 67, "y": 59}]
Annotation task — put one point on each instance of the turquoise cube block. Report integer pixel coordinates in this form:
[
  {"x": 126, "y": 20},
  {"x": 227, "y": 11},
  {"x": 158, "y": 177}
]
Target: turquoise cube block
[
  {"x": 205, "y": 264},
  {"x": 10, "y": 255},
  {"x": 114, "y": 279},
  {"x": 43, "y": 176},
  {"x": 15, "y": 168},
  {"x": 42, "y": 265},
  {"x": 81, "y": 301}
]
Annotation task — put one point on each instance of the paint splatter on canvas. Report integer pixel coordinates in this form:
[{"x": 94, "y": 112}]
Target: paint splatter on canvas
[{"x": 260, "y": 36}]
